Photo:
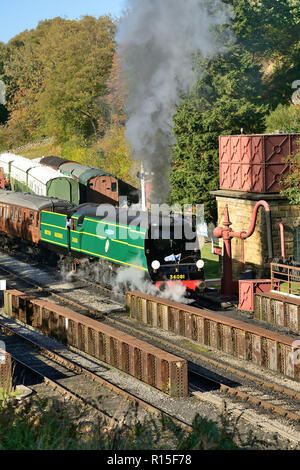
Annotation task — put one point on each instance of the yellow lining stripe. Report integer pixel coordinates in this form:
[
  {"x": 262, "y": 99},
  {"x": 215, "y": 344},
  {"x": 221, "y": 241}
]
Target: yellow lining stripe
[
  {"x": 91, "y": 234},
  {"x": 111, "y": 259},
  {"x": 128, "y": 244},
  {"x": 54, "y": 243},
  {"x": 55, "y": 213},
  {"x": 110, "y": 223},
  {"x": 55, "y": 226},
  {"x": 104, "y": 238}
]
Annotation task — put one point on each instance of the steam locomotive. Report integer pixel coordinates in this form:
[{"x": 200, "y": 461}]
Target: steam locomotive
[{"x": 91, "y": 233}]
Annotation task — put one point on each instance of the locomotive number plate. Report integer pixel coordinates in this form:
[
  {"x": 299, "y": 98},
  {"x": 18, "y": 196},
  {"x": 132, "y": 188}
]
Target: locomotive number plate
[{"x": 177, "y": 277}]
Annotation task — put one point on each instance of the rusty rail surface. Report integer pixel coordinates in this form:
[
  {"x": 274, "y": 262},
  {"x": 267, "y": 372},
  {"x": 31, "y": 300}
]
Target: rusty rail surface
[
  {"x": 262, "y": 347},
  {"x": 145, "y": 362},
  {"x": 259, "y": 401},
  {"x": 78, "y": 369},
  {"x": 286, "y": 274}
]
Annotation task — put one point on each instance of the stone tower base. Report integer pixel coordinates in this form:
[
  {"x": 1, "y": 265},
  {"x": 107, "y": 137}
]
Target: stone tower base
[{"x": 241, "y": 205}]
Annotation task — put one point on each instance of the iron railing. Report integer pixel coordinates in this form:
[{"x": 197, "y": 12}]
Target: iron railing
[{"x": 289, "y": 277}]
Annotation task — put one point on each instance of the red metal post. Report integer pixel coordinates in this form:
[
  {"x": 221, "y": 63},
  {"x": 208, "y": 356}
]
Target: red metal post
[
  {"x": 282, "y": 239},
  {"x": 226, "y": 233},
  {"x": 227, "y": 285}
]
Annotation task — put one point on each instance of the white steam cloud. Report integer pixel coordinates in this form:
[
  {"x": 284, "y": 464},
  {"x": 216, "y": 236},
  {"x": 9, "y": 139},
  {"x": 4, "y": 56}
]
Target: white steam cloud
[
  {"x": 2, "y": 92},
  {"x": 128, "y": 279},
  {"x": 156, "y": 42}
]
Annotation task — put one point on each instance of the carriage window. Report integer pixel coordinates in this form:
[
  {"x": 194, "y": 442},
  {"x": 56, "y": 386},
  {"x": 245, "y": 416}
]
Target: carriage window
[
  {"x": 16, "y": 214},
  {"x": 20, "y": 215},
  {"x": 37, "y": 219},
  {"x": 31, "y": 218},
  {"x": 11, "y": 212},
  {"x": 1, "y": 211},
  {"x": 114, "y": 187},
  {"x": 7, "y": 212},
  {"x": 73, "y": 224}
]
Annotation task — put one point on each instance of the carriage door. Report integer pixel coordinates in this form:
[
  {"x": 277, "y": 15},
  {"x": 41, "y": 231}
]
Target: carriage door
[{"x": 76, "y": 235}]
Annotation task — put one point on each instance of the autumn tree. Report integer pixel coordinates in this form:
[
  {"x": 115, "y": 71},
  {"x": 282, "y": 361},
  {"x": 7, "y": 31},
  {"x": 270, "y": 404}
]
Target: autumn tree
[
  {"x": 115, "y": 154},
  {"x": 56, "y": 76}
]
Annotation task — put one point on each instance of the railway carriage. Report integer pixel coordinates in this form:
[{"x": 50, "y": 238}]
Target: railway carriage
[
  {"x": 48, "y": 182},
  {"x": 30, "y": 175},
  {"x": 6, "y": 160},
  {"x": 103, "y": 237},
  {"x": 96, "y": 185},
  {"x": 19, "y": 169},
  {"x": 53, "y": 162},
  {"x": 20, "y": 214}
]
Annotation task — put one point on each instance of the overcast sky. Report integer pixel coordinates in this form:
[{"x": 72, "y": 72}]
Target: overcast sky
[{"x": 18, "y": 15}]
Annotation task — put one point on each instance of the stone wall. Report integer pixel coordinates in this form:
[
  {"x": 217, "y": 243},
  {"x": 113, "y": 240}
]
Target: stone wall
[{"x": 241, "y": 205}]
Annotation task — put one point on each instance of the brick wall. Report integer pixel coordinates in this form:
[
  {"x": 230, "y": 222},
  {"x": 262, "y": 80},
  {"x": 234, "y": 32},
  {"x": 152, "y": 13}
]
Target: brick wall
[
  {"x": 5, "y": 371},
  {"x": 240, "y": 207}
]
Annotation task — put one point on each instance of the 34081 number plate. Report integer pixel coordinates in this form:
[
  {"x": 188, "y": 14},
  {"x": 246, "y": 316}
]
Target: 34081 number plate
[{"x": 176, "y": 277}]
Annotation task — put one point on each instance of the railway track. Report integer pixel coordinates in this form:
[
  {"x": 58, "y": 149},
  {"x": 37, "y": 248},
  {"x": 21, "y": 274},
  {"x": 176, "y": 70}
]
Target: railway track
[
  {"x": 77, "y": 382},
  {"x": 249, "y": 395},
  {"x": 252, "y": 397}
]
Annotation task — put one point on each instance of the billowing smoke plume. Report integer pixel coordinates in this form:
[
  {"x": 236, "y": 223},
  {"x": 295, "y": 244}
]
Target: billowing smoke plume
[{"x": 157, "y": 40}]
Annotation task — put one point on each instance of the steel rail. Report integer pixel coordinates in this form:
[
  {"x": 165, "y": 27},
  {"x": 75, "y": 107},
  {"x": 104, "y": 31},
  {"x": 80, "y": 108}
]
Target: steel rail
[
  {"x": 229, "y": 390},
  {"x": 73, "y": 366}
]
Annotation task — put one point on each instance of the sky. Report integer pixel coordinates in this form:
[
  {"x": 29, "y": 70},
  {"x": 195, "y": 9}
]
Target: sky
[{"x": 18, "y": 15}]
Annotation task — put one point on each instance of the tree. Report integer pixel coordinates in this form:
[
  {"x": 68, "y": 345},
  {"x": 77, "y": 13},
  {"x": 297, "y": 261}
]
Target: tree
[
  {"x": 233, "y": 91},
  {"x": 285, "y": 118},
  {"x": 56, "y": 77},
  {"x": 116, "y": 154},
  {"x": 291, "y": 183},
  {"x": 3, "y": 109},
  {"x": 81, "y": 56}
]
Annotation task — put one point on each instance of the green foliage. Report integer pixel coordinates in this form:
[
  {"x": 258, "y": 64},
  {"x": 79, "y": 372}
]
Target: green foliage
[
  {"x": 292, "y": 182},
  {"x": 285, "y": 118},
  {"x": 211, "y": 266},
  {"x": 219, "y": 104},
  {"x": 56, "y": 77},
  {"x": 80, "y": 151},
  {"x": 63, "y": 80},
  {"x": 48, "y": 425},
  {"x": 235, "y": 91}
]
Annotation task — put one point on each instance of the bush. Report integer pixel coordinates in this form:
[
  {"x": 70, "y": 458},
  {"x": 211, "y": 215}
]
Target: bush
[{"x": 41, "y": 424}]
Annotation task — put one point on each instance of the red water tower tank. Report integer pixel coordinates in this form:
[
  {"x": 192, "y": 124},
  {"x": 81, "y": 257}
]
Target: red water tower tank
[{"x": 255, "y": 163}]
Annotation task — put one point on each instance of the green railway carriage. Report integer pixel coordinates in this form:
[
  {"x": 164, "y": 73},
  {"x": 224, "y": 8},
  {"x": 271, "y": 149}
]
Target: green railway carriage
[{"x": 48, "y": 182}]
